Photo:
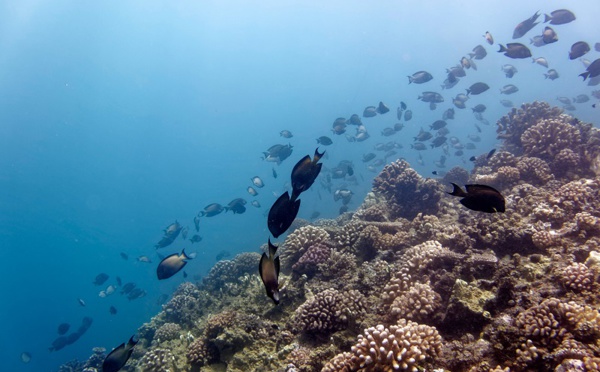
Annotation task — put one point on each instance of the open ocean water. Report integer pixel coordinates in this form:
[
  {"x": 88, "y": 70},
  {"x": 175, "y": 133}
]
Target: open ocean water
[{"x": 118, "y": 118}]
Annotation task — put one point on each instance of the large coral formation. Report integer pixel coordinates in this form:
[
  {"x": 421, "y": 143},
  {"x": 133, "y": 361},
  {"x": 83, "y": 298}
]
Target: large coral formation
[{"x": 415, "y": 281}]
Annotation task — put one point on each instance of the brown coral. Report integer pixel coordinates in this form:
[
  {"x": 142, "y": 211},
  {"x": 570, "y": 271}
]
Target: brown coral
[
  {"x": 329, "y": 310},
  {"x": 298, "y": 242},
  {"x": 577, "y": 277},
  {"x": 549, "y": 136}
]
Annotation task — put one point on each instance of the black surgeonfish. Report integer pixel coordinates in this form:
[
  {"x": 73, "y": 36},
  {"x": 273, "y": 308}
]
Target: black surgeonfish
[
  {"x": 480, "y": 198},
  {"x": 282, "y": 214},
  {"x": 268, "y": 269},
  {"x": 117, "y": 358},
  {"x": 305, "y": 172},
  {"x": 524, "y": 27},
  {"x": 171, "y": 265},
  {"x": 63, "y": 328}
]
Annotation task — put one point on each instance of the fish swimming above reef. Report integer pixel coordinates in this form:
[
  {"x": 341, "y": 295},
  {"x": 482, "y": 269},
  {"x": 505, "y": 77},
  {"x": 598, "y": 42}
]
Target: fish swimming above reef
[
  {"x": 477, "y": 88},
  {"x": 524, "y": 27},
  {"x": 593, "y": 70},
  {"x": 277, "y": 153},
  {"x": 579, "y": 49},
  {"x": 282, "y": 214},
  {"x": 420, "y": 77},
  {"x": 559, "y": 17},
  {"x": 552, "y": 74},
  {"x": 237, "y": 206},
  {"x": 268, "y": 268},
  {"x": 171, "y": 233},
  {"x": 211, "y": 210},
  {"x": 480, "y": 198},
  {"x": 117, "y": 358},
  {"x": 370, "y": 111},
  {"x": 100, "y": 279},
  {"x": 171, "y": 265},
  {"x": 515, "y": 51},
  {"x": 305, "y": 173},
  {"x": 479, "y": 52}
]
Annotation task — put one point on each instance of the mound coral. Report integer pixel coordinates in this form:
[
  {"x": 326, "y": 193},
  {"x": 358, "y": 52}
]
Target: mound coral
[
  {"x": 298, "y": 242},
  {"x": 329, "y": 310}
]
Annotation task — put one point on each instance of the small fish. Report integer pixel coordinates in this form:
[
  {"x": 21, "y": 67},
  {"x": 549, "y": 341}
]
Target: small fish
[
  {"x": 448, "y": 114},
  {"x": 549, "y": 36},
  {"x": 524, "y": 27},
  {"x": 509, "y": 89},
  {"x": 559, "y": 17},
  {"x": 171, "y": 265},
  {"x": 127, "y": 288},
  {"x": 479, "y": 52},
  {"x": 185, "y": 275},
  {"x": 578, "y": 50},
  {"x": 274, "y": 173},
  {"x": 398, "y": 127},
  {"x": 354, "y": 120},
  {"x": 480, "y": 198},
  {"x": 145, "y": 259},
  {"x": 370, "y": 111},
  {"x": 489, "y": 38},
  {"x": 81, "y": 302},
  {"x": 237, "y": 206},
  {"x": 382, "y": 108},
  {"x": 491, "y": 153},
  {"x": 252, "y": 191},
  {"x": 472, "y": 158},
  {"x": 305, "y": 173},
  {"x": 196, "y": 239},
  {"x": 408, "y": 115},
  {"x": 112, "y": 310},
  {"x": 419, "y": 146},
  {"x": 477, "y": 88},
  {"x": 506, "y": 103},
  {"x": 552, "y": 74},
  {"x": 170, "y": 234},
  {"x": 197, "y": 223},
  {"x": 25, "y": 357},
  {"x": 592, "y": 71},
  {"x": 479, "y": 108},
  {"x": 124, "y": 256},
  {"x": 438, "y": 124},
  {"x": 117, "y": 358},
  {"x": 564, "y": 100},
  {"x": 537, "y": 41},
  {"x": 420, "y": 77},
  {"x": 255, "y": 203},
  {"x": 540, "y": 61},
  {"x": 100, "y": 279},
  {"x": 386, "y": 132},
  {"x": 343, "y": 194},
  {"x": 324, "y": 140},
  {"x": 582, "y": 98},
  {"x": 286, "y": 134},
  {"x": 256, "y": 181},
  {"x": 221, "y": 255},
  {"x": 282, "y": 214},
  {"x": 368, "y": 157},
  {"x": 63, "y": 328},
  {"x": 515, "y": 50},
  {"x": 184, "y": 233},
  {"x": 268, "y": 268}
]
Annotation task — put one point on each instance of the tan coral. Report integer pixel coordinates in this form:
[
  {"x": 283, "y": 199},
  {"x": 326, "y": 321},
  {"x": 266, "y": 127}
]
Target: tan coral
[
  {"x": 577, "y": 277},
  {"x": 298, "y": 242},
  {"x": 329, "y": 310},
  {"x": 534, "y": 170},
  {"x": 418, "y": 303},
  {"x": 549, "y": 136}
]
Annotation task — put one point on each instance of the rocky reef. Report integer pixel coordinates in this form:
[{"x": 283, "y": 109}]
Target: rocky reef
[{"x": 414, "y": 281}]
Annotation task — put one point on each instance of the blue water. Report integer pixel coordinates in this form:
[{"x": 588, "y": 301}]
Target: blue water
[{"x": 118, "y": 118}]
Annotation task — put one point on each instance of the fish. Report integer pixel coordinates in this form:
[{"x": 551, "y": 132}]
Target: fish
[
  {"x": 63, "y": 328},
  {"x": 369, "y": 111},
  {"x": 197, "y": 223},
  {"x": 459, "y": 103},
  {"x": 170, "y": 234},
  {"x": 431, "y": 97},
  {"x": 314, "y": 215},
  {"x": 128, "y": 287},
  {"x": 110, "y": 289},
  {"x": 386, "y": 132},
  {"x": 212, "y": 209},
  {"x": 448, "y": 114},
  {"x": 472, "y": 158},
  {"x": 509, "y": 89},
  {"x": 578, "y": 50},
  {"x": 344, "y": 194},
  {"x": 592, "y": 71},
  {"x": 145, "y": 259},
  {"x": 549, "y": 36},
  {"x": 305, "y": 173},
  {"x": 491, "y": 153},
  {"x": 252, "y": 191},
  {"x": 324, "y": 140},
  {"x": 420, "y": 77},
  {"x": 274, "y": 173},
  {"x": 382, "y": 108},
  {"x": 477, "y": 88},
  {"x": 196, "y": 238},
  {"x": 450, "y": 82},
  {"x": 552, "y": 74},
  {"x": 25, "y": 357},
  {"x": 438, "y": 124},
  {"x": 419, "y": 146},
  {"x": 100, "y": 279},
  {"x": 171, "y": 265},
  {"x": 564, "y": 100},
  {"x": 185, "y": 275},
  {"x": 282, "y": 214},
  {"x": 480, "y": 198},
  {"x": 479, "y": 108},
  {"x": 112, "y": 310},
  {"x": 465, "y": 62},
  {"x": 286, "y": 134},
  {"x": 354, "y": 120},
  {"x": 515, "y": 50},
  {"x": 408, "y": 115},
  {"x": 398, "y": 127},
  {"x": 438, "y": 141},
  {"x": 221, "y": 255},
  {"x": 489, "y": 38},
  {"x": 117, "y": 358},
  {"x": 255, "y": 203},
  {"x": 268, "y": 268},
  {"x": 423, "y": 136},
  {"x": 277, "y": 153},
  {"x": 237, "y": 206},
  {"x": 509, "y": 70},
  {"x": 135, "y": 294},
  {"x": 256, "y": 181},
  {"x": 582, "y": 98},
  {"x": 368, "y": 157},
  {"x": 537, "y": 41},
  {"x": 524, "y": 27},
  {"x": 184, "y": 232},
  {"x": 479, "y": 52},
  {"x": 124, "y": 256},
  {"x": 456, "y": 72},
  {"x": 559, "y": 17}
]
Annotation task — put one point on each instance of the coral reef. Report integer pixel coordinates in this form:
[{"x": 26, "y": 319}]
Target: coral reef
[{"x": 413, "y": 280}]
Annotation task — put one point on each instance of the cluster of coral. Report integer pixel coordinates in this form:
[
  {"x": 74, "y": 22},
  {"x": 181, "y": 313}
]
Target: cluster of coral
[{"x": 414, "y": 281}]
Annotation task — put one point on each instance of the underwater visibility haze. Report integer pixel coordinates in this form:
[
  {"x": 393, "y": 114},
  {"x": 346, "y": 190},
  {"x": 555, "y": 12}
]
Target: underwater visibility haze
[{"x": 448, "y": 170}]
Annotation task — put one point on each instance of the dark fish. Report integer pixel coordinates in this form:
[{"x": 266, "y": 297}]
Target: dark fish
[
  {"x": 212, "y": 210},
  {"x": 277, "y": 153},
  {"x": 480, "y": 198},
  {"x": 124, "y": 256},
  {"x": 386, "y": 132},
  {"x": 237, "y": 206},
  {"x": 403, "y": 106},
  {"x": 196, "y": 238},
  {"x": 524, "y": 27},
  {"x": 305, "y": 172},
  {"x": 117, "y": 358},
  {"x": 136, "y": 293},
  {"x": 431, "y": 97},
  {"x": 268, "y": 268},
  {"x": 559, "y": 17},
  {"x": 324, "y": 140},
  {"x": 118, "y": 279},
  {"x": 593, "y": 70},
  {"x": 128, "y": 287},
  {"x": 355, "y": 120},
  {"x": 171, "y": 265},
  {"x": 489, "y": 38},
  {"x": 398, "y": 127},
  {"x": 343, "y": 209},
  {"x": 419, "y": 146},
  {"x": 25, "y": 357},
  {"x": 552, "y": 74},
  {"x": 479, "y": 108},
  {"x": 549, "y": 36},
  {"x": 408, "y": 115},
  {"x": 112, "y": 310},
  {"x": 256, "y": 181},
  {"x": 579, "y": 49},
  {"x": 286, "y": 134},
  {"x": 438, "y": 141},
  {"x": 423, "y": 136},
  {"x": 509, "y": 89},
  {"x": 339, "y": 129},
  {"x": 222, "y": 255},
  {"x": 420, "y": 77},
  {"x": 438, "y": 124},
  {"x": 274, "y": 173},
  {"x": 100, "y": 279},
  {"x": 472, "y": 158},
  {"x": 369, "y": 111},
  {"x": 382, "y": 108},
  {"x": 456, "y": 72},
  {"x": 448, "y": 114},
  {"x": 479, "y": 52},
  {"x": 63, "y": 328},
  {"x": 450, "y": 82},
  {"x": 282, "y": 214},
  {"x": 515, "y": 50},
  {"x": 477, "y": 88},
  {"x": 491, "y": 153},
  {"x": 197, "y": 223},
  {"x": 368, "y": 157},
  {"x": 185, "y": 275},
  {"x": 59, "y": 343}
]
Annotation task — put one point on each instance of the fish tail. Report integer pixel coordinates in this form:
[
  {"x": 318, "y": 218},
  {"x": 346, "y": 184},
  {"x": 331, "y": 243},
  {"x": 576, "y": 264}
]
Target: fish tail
[
  {"x": 185, "y": 256},
  {"x": 547, "y": 18},
  {"x": 585, "y": 75},
  {"x": 410, "y": 79},
  {"x": 502, "y": 48},
  {"x": 456, "y": 190},
  {"x": 317, "y": 156},
  {"x": 272, "y": 249}
]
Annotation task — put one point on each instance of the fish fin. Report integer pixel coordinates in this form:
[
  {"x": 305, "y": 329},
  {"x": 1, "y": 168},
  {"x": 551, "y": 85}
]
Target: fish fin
[
  {"x": 547, "y": 18},
  {"x": 277, "y": 265},
  {"x": 263, "y": 258},
  {"x": 133, "y": 340},
  {"x": 457, "y": 191},
  {"x": 480, "y": 187},
  {"x": 410, "y": 80},
  {"x": 185, "y": 256},
  {"x": 585, "y": 75},
  {"x": 502, "y": 48},
  {"x": 272, "y": 249},
  {"x": 317, "y": 156}
]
